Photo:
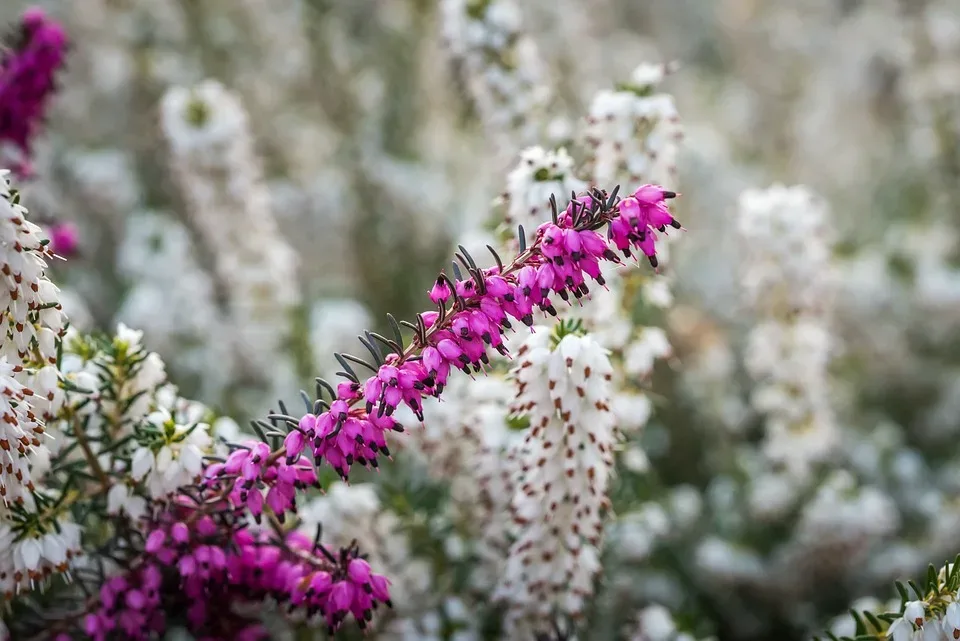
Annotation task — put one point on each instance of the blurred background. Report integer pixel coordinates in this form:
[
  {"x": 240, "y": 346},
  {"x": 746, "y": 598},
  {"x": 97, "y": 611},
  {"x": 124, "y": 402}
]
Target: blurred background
[{"x": 341, "y": 149}]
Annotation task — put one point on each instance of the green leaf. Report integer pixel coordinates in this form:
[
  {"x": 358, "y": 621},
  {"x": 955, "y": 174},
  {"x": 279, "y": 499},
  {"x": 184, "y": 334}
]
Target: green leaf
[
  {"x": 861, "y": 627},
  {"x": 904, "y": 596},
  {"x": 874, "y": 621},
  {"x": 932, "y": 583},
  {"x": 916, "y": 590}
]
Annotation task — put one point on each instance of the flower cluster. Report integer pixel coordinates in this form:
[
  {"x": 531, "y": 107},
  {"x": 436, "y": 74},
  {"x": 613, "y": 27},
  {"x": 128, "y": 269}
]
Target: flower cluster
[
  {"x": 656, "y": 623},
  {"x": 354, "y": 514},
  {"x": 928, "y": 613},
  {"x": 634, "y": 133},
  {"x": 27, "y": 81},
  {"x": 788, "y": 282},
  {"x": 500, "y": 65},
  {"x": 254, "y": 469},
  {"x": 197, "y": 563},
  {"x": 563, "y": 472},
  {"x": 228, "y": 205},
  {"x": 559, "y": 260},
  {"x": 539, "y": 174},
  {"x": 40, "y": 539}
]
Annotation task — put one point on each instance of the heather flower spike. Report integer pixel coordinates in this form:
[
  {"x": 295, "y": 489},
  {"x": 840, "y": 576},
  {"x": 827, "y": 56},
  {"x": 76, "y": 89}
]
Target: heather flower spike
[
  {"x": 473, "y": 314},
  {"x": 28, "y": 70}
]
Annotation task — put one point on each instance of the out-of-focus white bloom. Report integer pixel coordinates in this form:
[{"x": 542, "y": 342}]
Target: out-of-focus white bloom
[
  {"x": 685, "y": 505},
  {"x": 120, "y": 500},
  {"x": 334, "y": 327},
  {"x": 786, "y": 253},
  {"x": 634, "y": 133},
  {"x": 637, "y": 532},
  {"x": 656, "y": 291},
  {"x": 538, "y": 175},
  {"x": 213, "y": 160},
  {"x": 606, "y": 316},
  {"x": 635, "y": 460},
  {"x": 771, "y": 495},
  {"x": 464, "y": 441},
  {"x": 724, "y": 562},
  {"x": 631, "y": 410},
  {"x": 788, "y": 281},
  {"x": 656, "y": 624},
  {"x": 107, "y": 180},
  {"x": 565, "y": 463},
  {"x": 639, "y": 356},
  {"x": 75, "y": 308},
  {"x": 500, "y": 65}
]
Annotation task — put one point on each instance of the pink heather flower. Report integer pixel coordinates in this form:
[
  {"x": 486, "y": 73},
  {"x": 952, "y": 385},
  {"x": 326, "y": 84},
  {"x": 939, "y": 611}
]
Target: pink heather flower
[
  {"x": 27, "y": 80},
  {"x": 471, "y": 317},
  {"x": 441, "y": 292},
  {"x": 250, "y": 469},
  {"x": 197, "y": 569},
  {"x": 473, "y": 314},
  {"x": 209, "y": 560},
  {"x": 64, "y": 239},
  {"x": 130, "y": 607}
]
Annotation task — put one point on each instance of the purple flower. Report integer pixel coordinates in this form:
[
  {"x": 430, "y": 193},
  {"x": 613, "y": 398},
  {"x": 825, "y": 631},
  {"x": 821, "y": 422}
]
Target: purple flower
[
  {"x": 64, "y": 239},
  {"x": 27, "y": 80}
]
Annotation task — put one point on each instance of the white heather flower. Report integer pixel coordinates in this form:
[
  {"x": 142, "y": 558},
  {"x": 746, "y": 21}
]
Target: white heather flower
[
  {"x": 951, "y": 620},
  {"x": 334, "y": 325},
  {"x": 25, "y": 563},
  {"x": 641, "y": 354},
  {"x": 788, "y": 281},
  {"x": 500, "y": 65},
  {"x": 538, "y": 175},
  {"x": 120, "y": 500},
  {"x": 33, "y": 325},
  {"x": 913, "y": 612},
  {"x": 656, "y": 624},
  {"x": 142, "y": 463},
  {"x": 787, "y": 239},
  {"x": 179, "y": 459},
  {"x": 565, "y": 462},
  {"x": 160, "y": 257},
  {"x": 632, "y": 411},
  {"x": 634, "y": 133},
  {"x": 901, "y": 630},
  {"x": 131, "y": 339},
  {"x": 228, "y": 203}
]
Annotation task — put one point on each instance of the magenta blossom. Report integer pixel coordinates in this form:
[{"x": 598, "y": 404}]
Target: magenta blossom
[
  {"x": 27, "y": 80},
  {"x": 64, "y": 239},
  {"x": 195, "y": 566},
  {"x": 473, "y": 314}
]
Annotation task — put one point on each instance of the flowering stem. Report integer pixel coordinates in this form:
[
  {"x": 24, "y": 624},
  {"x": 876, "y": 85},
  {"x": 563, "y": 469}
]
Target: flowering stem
[
  {"x": 472, "y": 315},
  {"x": 415, "y": 347},
  {"x": 88, "y": 454}
]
